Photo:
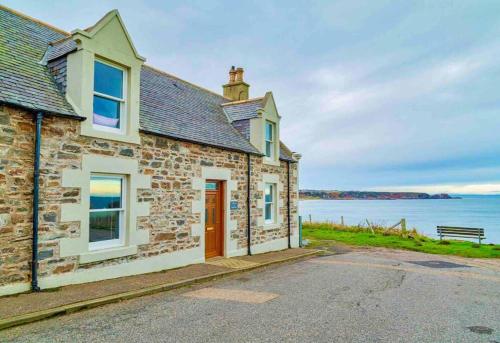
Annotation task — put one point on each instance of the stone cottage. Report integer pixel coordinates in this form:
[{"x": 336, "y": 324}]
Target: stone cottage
[{"x": 110, "y": 167}]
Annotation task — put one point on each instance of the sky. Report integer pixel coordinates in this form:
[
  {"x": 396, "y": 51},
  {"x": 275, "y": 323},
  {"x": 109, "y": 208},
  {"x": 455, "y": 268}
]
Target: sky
[{"x": 375, "y": 95}]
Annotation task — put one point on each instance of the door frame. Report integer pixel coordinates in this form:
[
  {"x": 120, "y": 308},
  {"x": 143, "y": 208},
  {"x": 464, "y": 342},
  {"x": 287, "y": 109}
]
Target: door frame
[{"x": 221, "y": 203}]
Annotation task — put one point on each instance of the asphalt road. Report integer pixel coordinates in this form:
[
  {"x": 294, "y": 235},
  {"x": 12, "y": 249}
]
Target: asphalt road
[{"x": 360, "y": 296}]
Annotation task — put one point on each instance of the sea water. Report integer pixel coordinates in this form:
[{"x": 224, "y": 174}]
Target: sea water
[{"x": 481, "y": 211}]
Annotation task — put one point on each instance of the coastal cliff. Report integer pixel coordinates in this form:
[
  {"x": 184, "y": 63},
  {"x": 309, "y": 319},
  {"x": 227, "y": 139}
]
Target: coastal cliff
[{"x": 306, "y": 194}]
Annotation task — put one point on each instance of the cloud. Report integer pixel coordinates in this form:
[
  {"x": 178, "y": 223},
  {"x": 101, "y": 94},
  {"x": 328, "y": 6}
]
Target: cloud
[
  {"x": 361, "y": 121},
  {"x": 370, "y": 92}
]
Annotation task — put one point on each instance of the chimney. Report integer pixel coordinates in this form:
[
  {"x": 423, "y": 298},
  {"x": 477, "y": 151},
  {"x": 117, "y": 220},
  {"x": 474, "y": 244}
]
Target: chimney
[{"x": 236, "y": 89}]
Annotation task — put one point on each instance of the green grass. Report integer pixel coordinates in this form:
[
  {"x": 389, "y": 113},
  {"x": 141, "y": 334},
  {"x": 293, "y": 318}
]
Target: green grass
[{"x": 393, "y": 238}]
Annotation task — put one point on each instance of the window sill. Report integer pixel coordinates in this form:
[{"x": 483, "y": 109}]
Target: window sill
[
  {"x": 271, "y": 226},
  {"x": 106, "y": 254},
  {"x": 271, "y": 162},
  {"x": 91, "y": 131}
]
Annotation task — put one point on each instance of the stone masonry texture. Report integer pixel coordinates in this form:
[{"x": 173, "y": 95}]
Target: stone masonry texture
[{"x": 172, "y": 165}]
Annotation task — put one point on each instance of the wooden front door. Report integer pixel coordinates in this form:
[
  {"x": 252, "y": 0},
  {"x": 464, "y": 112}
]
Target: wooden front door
[{"x": 214, "y": 224}]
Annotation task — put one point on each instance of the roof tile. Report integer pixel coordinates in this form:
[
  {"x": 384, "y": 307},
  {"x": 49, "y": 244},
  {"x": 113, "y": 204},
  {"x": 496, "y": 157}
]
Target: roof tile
[{"x": 24, "y": 80}]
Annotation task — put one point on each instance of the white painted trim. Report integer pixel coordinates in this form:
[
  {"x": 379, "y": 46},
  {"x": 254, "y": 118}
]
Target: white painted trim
[
  {"x": 270, "y": 178},
  {"x": 274, "y": 245},
  {"x": 198, "y": 206},
  {"x": 294, "y": 241},
  {"x": 142, "y": 266},
  {"x": 122, "y": 130},
  {"x": 106, "y": 254},
  {"x": 237, "y": 252},
  {"x": 258, "y": 126},
  {"x": 80, "y": 178},
  {"x": 15, "y": 288}
]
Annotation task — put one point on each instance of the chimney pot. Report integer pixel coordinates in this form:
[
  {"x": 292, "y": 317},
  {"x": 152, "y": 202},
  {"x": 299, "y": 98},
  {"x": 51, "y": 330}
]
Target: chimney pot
[
  {"x": 232, "y": 75},
  {"x": 239, "y": 74}
]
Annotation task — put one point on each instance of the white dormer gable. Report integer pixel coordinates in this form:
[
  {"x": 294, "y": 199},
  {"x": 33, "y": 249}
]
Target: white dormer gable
[
  {"x": 103, "y": 80},
  {"x": 110, "y": 34},
  {"x": 265, "y": 130}
]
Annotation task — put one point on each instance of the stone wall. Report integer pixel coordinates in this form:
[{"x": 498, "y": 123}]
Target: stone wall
[
  {"x": 171, "y": 164},
  {"x": 16, "y": 184}
]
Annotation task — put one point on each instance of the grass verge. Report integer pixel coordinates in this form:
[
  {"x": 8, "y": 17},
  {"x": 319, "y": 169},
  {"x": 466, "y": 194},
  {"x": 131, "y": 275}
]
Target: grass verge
[{"x": 393, "y": 238}]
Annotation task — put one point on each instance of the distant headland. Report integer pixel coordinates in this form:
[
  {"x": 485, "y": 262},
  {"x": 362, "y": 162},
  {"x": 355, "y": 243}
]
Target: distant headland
[{"x": 308, "y": 194}]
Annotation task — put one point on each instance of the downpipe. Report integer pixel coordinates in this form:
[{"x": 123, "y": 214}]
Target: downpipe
[
  {"x": 249, "y": 225},
  {"x": 288, "y": 206},
  {"x": 36, "y": 187}
]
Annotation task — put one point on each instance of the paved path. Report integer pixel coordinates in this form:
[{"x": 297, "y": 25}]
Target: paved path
[{"x": 372, "y": 295}]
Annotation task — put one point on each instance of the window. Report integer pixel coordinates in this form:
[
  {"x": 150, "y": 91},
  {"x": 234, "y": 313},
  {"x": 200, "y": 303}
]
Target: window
[
  {"x": 211, "y": 186},
  {"x": 109, "y": 99},
  {"x": 269, "y": 203},
  {"x": 270, "y": 140},
  {"x": 106, "y": 222}
]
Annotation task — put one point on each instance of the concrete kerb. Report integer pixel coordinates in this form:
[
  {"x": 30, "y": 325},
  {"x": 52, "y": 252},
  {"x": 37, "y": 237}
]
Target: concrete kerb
[{"x": 86, "y": 304}]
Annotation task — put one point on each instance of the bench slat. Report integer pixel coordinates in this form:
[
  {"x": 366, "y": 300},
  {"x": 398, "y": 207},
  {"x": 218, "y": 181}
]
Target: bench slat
[
  {"x": 482, "y": 237},
  {"x": 475, "y": 230},
  {"x": 462, "y": 232},
  {"x": 459, "y": 227}
]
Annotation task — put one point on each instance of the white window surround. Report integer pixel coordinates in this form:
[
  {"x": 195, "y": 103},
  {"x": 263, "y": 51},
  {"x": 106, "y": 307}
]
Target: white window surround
[
  {"x": 120, "y": 241},
  {"x": 198, "y": 206},
  {"x": 271, "y": 189},
  {"x": 270, "y": 140},
  {"x": 123, "y": 100},
  {"x": 273, "y": 179},
  {"x": 80, "y": 178},
  {"x": 106, "y": 41},
  {"x": 268, "y": 113}
]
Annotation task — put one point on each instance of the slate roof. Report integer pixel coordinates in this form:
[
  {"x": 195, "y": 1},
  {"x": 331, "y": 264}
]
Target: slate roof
[
  {"x": 60, "y": 48},
  {"x": 169, "y": 106},
  {"x": 176, "y": 108},
  {"x": 243, "y": 110},
  {"x": 24, "y": 81},
  {"x": 285, "y": 153}
]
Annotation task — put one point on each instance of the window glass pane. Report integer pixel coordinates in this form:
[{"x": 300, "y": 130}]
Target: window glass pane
[
  {"x": 269, "y": 131},
  {"x": 104, "y": 226},
  {"x": 211, "y": 185},
  {"x": 268, "y": 149},
  {"x": 268, "y": 214},
  {"x": 105, "y": 192},
  {"x": 106, "y": 112},
  {"x": 269, "y": 193},
  {"x": 108, "y": 80}
]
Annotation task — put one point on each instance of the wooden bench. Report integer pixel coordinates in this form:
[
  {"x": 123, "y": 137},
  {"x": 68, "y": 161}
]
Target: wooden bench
[{"x": 463, "y": 232}]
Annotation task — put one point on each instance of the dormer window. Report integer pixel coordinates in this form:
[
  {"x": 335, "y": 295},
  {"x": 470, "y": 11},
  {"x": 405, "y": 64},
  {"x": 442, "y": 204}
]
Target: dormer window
[
  {"x": 270, "y": 140},
  {"x": 109, "y": 97}
]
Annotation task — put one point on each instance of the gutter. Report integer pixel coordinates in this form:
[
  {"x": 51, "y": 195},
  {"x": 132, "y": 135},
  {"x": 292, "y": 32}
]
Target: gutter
[
  {"x": 45, "y": 111},
  {"x": 288, "y": 205},
  {"x": 36, "y": 186},
  {"x": 249, "y": 218}
]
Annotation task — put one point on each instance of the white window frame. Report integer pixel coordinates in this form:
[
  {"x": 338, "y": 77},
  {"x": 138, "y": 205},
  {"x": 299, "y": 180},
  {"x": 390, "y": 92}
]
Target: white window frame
[
  {"x": 112, "y": 243},
  {"x": 122, "y": 101},
  {"x": 272, "y": 141},
  {"x": 273, "y": 186}
]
